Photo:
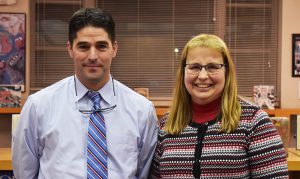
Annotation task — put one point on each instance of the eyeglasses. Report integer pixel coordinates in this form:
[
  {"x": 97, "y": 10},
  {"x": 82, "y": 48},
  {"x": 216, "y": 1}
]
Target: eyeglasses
[
  {"x": 211, "y": 68},
  {"x": 98, "y": 110},
  {"x": 103, "y": 110}
]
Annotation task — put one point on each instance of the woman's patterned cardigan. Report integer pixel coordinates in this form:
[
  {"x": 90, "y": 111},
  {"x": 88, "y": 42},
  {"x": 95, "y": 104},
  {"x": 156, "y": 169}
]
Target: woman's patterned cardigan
[{"x": 253, "y": 150}]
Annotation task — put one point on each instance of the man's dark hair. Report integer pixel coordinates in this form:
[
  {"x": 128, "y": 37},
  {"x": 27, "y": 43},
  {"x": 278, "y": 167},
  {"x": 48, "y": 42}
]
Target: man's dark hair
[{"x": 94, "y": 17}]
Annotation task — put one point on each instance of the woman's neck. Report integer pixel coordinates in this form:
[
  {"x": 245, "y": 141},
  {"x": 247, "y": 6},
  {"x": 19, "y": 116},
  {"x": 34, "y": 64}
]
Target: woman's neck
[{"x": 206, "y": 112}]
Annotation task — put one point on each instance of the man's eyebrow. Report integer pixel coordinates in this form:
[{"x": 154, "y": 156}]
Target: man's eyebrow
[
  {"x": 102, "y": 42},
  {"x": 98, "y": 42},
  {"x": 82, "y": 43}
]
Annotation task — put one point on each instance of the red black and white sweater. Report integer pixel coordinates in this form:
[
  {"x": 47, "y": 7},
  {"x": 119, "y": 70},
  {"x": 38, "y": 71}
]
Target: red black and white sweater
[{"x": 253, "y": 150}]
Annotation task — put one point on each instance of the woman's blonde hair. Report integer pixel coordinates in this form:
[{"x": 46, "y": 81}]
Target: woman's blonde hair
[{"x": 181, "y": 110}]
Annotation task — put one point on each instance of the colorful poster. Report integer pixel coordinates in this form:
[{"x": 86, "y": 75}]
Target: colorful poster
[{"x": 12, "y": 49}]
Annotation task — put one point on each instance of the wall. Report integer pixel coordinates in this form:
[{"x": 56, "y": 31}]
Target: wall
[{"x": 290, "y": 25}]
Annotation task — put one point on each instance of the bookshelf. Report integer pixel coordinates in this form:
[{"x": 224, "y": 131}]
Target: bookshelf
[
  {"x": 280, "y": 112},
  {"x": 293, "y": 154},
  {"x": 10, "y": 111},
  {"x": 5, "y": 137},
  {"x": 293, "y": 159}
]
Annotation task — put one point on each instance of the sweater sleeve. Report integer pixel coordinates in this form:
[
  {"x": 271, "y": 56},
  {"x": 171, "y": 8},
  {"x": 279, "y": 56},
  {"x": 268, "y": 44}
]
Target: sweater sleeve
[
  {"x": 267, "y": 157},
  {"x": 155, "y": 173}
]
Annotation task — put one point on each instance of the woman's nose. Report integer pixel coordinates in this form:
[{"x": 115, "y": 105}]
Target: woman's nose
[{"x": 203, "y": 73}]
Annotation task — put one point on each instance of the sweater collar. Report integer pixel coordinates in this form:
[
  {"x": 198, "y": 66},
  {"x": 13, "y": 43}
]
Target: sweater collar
[{"x": 207, "y": 112}]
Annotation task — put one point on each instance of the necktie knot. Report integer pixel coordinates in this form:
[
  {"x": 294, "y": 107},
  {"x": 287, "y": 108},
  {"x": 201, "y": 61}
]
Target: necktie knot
[{"x": 96, "y": 98}]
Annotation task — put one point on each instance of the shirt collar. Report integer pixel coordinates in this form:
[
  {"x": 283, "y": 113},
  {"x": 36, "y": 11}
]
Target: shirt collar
[{"x": 107, "y": 91}]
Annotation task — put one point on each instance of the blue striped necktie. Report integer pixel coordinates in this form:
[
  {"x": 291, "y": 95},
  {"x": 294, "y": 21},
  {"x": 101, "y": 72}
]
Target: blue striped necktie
[{"x": 96, "y": 147}]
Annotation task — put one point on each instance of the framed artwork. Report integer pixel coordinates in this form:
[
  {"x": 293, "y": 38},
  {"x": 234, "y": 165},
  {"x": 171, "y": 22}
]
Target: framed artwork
[
  {"x": 12, "y": 49},
  {"x": 264, "y": 96},
  {"x": 296, "y": 55}
]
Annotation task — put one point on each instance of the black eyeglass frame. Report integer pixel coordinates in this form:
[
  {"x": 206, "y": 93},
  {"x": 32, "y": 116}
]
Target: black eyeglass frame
[
  {"x": 103, "y": 110},
  {"x": 221, "y": 65}
]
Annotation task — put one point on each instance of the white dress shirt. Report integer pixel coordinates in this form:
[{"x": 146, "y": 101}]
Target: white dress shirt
[{"x": 51, "y": 138}]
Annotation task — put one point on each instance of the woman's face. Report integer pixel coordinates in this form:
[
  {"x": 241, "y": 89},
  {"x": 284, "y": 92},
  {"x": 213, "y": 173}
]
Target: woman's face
[{"x": 204, "y": 87}]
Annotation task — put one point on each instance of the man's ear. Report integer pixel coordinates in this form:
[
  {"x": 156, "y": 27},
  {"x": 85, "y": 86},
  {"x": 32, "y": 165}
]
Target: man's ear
[
  {"x": 115, "y": 48},
  {"x": 70, "y": 50}
]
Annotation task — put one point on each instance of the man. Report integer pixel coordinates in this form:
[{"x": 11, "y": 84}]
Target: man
[{"x": 56, "y": 136}]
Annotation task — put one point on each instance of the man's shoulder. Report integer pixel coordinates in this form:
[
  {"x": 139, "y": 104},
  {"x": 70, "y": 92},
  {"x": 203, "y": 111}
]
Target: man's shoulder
[
  {"x": 128, "y": 93},
  {"x": 57, "y": 88}
]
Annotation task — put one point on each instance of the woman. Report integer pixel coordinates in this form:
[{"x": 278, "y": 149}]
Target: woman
[{"x": 210, "y": 132}]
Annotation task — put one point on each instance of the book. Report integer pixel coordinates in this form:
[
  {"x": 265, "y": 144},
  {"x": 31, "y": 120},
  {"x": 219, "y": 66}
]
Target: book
[
  {"x": 264, "y": 96},
  {"x": 14, "y": 122},
  {"x": 298, "y": 133},
  {"x": 295, "y": 131}
]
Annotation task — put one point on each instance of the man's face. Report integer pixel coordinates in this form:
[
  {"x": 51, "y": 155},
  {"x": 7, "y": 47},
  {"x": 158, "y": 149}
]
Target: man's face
[{"x": 92, "y": 52}]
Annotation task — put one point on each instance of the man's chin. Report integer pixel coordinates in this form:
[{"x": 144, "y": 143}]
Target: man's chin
[
  {"x": 94, "y": 79},
  {"x": 97, "y": 77}
]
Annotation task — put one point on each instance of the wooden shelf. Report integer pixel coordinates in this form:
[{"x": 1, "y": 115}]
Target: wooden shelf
[
  {"x": 293, "y": 159},
  {"x": 161, "y": 111},
  {"x": 280, "y": 112},
  {"x": 5, "y": 159},
  {"x": 10, "y": 110}
]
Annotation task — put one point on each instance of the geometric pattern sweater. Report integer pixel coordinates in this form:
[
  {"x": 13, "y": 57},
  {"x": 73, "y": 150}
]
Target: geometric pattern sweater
[{"x": 253, "y": 150}]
